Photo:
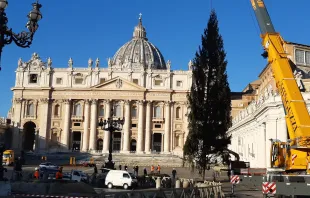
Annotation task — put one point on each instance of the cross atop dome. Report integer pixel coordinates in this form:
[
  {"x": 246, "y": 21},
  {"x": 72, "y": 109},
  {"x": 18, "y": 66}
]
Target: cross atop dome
[{"x": 139, "y": 30}]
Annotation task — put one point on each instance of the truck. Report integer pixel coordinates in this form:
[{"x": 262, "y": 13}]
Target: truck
[
  {"x": 8, "y": 158},
  {"x": 290, "y": 160}
]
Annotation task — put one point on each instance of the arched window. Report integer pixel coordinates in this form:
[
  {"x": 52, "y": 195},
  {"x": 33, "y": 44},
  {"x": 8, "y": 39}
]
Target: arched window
[
  {"x": 77, "y": 110},
  {"x": 101, "y": 110},
  {"x": 157, "y": 112},
  {"x": 117, "y": 111},
  {"x": 30, "y": 109},
  {"x": 178, "y": 113},
  {"x": 134, "y": 112},
  {"x": 57, "y": 110}
]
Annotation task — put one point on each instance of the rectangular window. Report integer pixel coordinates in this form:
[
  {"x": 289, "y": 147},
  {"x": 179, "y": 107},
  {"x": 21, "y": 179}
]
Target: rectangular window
[
  {"x": 158, "y": 82},
  {"x": 136, "y": 81},
  {"x": 300, "y": 56},
  {"x": 157, "y": 126},
  {"x": 78, "y": 81},
  {"x": 101, "y": 111},
  {"x": 133, "y": 125},
  {"x": 76, "y": 124},
  {"x": 33, "y": 78},
  {"x": 179, "y": 83},
  {"x": 308, "y": 58},
  {"x": 102, "y": 80},
  {"x": 58, "y": 81}
]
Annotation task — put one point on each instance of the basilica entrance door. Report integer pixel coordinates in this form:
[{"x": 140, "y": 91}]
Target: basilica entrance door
[
  {"x": 99, "y": 144},
  {"x": 76, "y": 140},
  {"x": 157, "y": 137},
  {"x": 117, "y": 137},
  {"x": 29, "y": 136},
  {"x": 133, "y": 145}
]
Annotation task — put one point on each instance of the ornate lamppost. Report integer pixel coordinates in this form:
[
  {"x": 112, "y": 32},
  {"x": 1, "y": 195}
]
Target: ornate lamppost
[
  {"x": 111, "y": 125},
  {"x": 22, "y": 39}
]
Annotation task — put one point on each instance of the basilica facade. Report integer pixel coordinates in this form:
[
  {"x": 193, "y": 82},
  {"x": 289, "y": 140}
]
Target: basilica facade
[{"x": 60, "y": 108}]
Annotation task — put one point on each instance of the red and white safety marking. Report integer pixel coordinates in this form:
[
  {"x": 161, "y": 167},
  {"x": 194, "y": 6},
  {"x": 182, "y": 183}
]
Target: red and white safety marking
[
  {"x": 294, "y": 156},
  {"x": 269, "y": 188},
  {"x": 50, "y": 196},
  {"x": 234, "y": 179}
]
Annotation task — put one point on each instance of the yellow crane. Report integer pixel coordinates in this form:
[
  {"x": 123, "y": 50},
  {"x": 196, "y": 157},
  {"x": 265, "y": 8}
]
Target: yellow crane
[{"x": 291, "y": 156}]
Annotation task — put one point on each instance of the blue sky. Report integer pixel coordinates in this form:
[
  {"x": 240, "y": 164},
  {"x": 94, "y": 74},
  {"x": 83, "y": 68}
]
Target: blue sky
[{"x": 81, "y": 29}]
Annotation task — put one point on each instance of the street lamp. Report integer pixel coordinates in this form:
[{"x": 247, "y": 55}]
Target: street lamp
[
  {"x": 111, "y": 125},
  {"x": 22, "y": 39}
]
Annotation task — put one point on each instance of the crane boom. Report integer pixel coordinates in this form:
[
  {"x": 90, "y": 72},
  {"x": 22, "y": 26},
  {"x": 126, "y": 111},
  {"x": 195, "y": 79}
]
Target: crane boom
[{"x": 297, "y": 116}]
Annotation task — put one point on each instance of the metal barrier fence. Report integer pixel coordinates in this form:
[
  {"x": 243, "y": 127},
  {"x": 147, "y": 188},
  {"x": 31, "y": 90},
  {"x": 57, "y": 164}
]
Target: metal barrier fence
[{"x": 196, "y": 192}]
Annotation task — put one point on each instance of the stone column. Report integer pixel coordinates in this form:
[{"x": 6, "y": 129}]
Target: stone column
[
  {"x": 140, "y": 127},
  {"x": 43, "y": 135},
  {"x": 65, "y": 135},
  {"x": 93, "y": 125},
  {"x": 106, "y": 139},
  {"x": 167, "y": 128},
  {"x": 86, "y": 127},
  {"x": 148, "y": 127},
  {"x": 127, "y": 127}
]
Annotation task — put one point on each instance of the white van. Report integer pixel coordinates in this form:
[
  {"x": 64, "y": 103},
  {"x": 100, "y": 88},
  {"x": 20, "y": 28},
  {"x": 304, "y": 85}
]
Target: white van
[{"x": 120, "y": 178}]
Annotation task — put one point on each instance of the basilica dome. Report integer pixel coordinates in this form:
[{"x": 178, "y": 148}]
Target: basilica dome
[{"x": 138, "y": 53}]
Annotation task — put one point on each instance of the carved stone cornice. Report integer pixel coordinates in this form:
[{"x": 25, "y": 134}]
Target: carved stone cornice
[
  {"x": 140, "y": 102},
  {"x": 149, "y": 103},
  {"x": 66, "y": 101},
  {"x": 93, "y": 101},
  {"x": 44, "y": 100},
  {"x": 106, "y": 101},
  {"x": 127, "y": 102},
  {"x": 167, "y": 103},
  {"x": 86, "y": 101},
  {"x": 18, "y": 100}
]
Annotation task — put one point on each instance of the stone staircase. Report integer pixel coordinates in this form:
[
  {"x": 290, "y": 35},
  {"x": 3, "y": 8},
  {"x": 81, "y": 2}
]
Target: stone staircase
[{"x": 132, "y": 159}]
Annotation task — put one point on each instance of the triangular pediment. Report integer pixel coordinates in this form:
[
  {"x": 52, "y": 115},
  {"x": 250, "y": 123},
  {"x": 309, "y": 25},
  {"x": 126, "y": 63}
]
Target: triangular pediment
[{"x": 119, "y": 83}]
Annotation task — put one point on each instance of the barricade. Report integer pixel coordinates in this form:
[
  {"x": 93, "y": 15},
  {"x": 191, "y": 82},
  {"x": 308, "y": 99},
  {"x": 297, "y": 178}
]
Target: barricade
[
  {"x": 72, "y": 161},
  {"x": 44, "y": 158}
]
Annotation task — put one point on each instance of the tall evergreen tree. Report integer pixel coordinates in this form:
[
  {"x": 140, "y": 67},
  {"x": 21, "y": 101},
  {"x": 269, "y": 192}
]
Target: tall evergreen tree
[{"x": 209, "y": 100}]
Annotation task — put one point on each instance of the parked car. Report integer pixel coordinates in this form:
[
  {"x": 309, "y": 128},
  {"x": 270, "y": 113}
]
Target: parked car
[
  {"x": 75, "y": 175},
  {"x": 48, "y": 165}
]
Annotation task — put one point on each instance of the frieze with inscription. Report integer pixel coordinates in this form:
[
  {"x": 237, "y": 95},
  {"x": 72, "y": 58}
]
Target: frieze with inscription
[{"x": 97, "y": 93}]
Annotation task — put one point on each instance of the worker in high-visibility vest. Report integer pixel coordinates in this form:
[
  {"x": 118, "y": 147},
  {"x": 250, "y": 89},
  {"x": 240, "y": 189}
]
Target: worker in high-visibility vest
[
  {"x": 158, "y": 169},
  {"x": 59, "y": 173},
  {"x": 36, "y": 173},
  {"x": 152, "y": 169}
]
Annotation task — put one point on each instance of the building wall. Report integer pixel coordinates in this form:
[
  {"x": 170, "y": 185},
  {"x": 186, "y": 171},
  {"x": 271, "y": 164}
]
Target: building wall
[{"x": 263, "y": 118}]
